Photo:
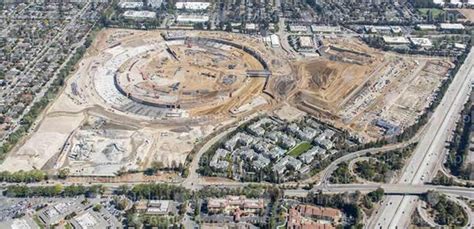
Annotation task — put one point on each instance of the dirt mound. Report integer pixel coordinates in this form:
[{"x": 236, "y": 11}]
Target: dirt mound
[{"x": 321, "y": 73}]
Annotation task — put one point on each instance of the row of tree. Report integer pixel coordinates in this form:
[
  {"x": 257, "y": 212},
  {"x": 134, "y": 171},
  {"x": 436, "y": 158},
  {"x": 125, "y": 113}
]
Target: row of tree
[
  {"x": 53, "y": 191},
  {"x": 155, "y": 191},
  {"x": 459, "y": 147}
]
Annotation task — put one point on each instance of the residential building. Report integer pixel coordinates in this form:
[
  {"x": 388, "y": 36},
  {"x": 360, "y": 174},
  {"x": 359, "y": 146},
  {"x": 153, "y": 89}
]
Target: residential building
[
  {"x": 261, "y": 162},
  {"x": 217, "y": 161},
  {"x": 319, "y": 213},
  {"x": 282, "y": 165},
  {"x": 308, "y": 156}
]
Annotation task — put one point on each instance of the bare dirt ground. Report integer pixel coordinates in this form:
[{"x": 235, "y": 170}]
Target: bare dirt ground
[
  {"x": 468, "y": 13},
  {"x": 81, "y": 131},
  {"x": 353, "y": 85},
  {"x": 331, "y": 82}
]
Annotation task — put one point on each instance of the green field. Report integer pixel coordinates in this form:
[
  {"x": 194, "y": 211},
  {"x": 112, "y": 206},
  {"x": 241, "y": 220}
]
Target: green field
[
  {"x": 300, "y": 149},
  {"x": 434, "y": 11}
]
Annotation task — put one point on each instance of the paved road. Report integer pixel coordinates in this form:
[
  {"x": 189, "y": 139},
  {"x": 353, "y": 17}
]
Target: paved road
[
  {"x": 422, "y": 165},
  {"x": 466, "y": 208},
  {"x": 193, "y": 181},
  {"x": 423, "y": 212},
  {"x": 326, "y": 173}
]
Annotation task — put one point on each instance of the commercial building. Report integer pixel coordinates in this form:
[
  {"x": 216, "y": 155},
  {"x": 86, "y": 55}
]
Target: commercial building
[
  {"x": 251, "y": 27},
  {"x": 325, "y": 29},
  {"x": 451, "y": 26},
  {"x": 396, "y": 29},
  {"x": 192, "y": 18},
  {"x": 298, "y": 28},
  {"x": 142, "y": 14},
  {"x": 55, "y": 213},
  {"x": 459, "y": 46},
  {"x": 377, "y": 29},
  {"x": 306, "y": 42},
  {"x": 421, "y": 42},
  {"x": 156, "y": 207},
  {"x": 395, "y": 40},
  {"x": 425, "y": 27},
  {"x": 275, "y": 41},
  {"x": 130, "y": 5},
  {"x": 88, "y": 220},
  {"x": 457, "y": 3},
  {"x": 24, "y": 222},
  {"x": 192, "y": 5},
  {"x": 154, "y": 3}
]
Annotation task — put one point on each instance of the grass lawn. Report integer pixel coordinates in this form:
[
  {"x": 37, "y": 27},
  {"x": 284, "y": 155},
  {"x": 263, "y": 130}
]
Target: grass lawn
[
  {"x": 434, "y": 11},
  {"x": 300, "y": 149}
]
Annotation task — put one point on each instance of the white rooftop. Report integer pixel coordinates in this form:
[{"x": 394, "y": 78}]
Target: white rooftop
[
  {"x": 395, "y": 40},
  {"x": 306, "y": 41},
  {"x": 423, "y": 42},
  {"x": 139, "y": 14},
  {"x": 86, "y": 220},
  {"x": 193, "y": 18},
  {"x": 449, "y": 26},
  {"x": 426, "y": 26},
  {"x": 298, "y": 28},
  {"x": 190, "y": 5},
  {"x": 130, "y": 5}
]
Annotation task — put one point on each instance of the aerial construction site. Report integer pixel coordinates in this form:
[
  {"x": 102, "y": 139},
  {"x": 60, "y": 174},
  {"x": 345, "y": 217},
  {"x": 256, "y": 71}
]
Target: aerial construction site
[
  {"x": 139, "y": 97},
  {"x": 370, "y": 92}
]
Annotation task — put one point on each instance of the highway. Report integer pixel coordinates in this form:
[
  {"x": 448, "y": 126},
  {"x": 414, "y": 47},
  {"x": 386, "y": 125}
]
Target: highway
[
  {"x": 390, "y": 189},
  {"x": 421, "y": 166}
]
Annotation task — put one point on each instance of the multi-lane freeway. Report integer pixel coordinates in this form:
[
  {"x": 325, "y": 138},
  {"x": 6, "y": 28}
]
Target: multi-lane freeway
[
  {"x": 421, "y": 167},
  {"x": 389, "y": 189}
]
